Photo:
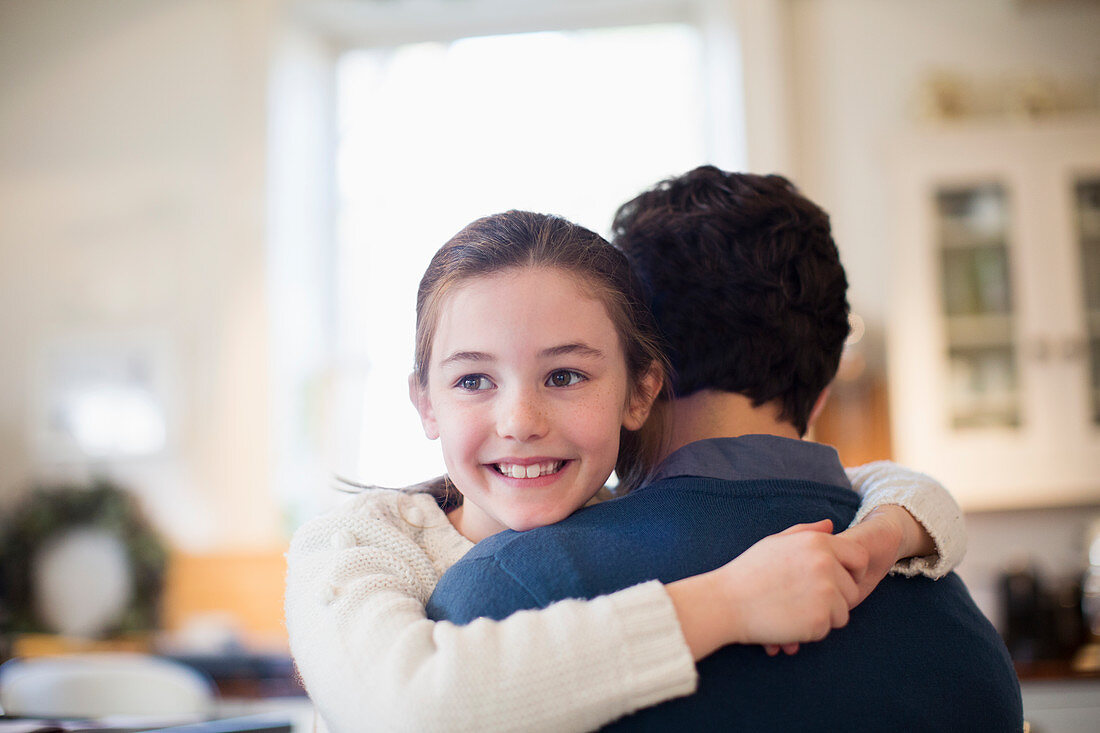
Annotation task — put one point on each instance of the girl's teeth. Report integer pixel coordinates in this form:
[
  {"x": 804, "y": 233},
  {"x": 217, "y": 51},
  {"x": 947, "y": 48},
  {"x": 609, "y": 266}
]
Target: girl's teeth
[{"x": 533, "y": 471}]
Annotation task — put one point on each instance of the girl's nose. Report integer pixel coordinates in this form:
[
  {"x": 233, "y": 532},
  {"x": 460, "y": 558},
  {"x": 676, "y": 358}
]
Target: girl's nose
[{"x": 521, "y": 417}]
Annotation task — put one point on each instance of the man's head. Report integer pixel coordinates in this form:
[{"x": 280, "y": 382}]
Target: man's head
[{"x": 746, "y": 285}]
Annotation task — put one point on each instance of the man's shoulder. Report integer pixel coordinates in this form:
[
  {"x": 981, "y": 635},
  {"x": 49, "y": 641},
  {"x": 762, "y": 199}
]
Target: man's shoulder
[
  {"x": 579, "y": 557},
  {"x": 643, "y": 509},
  {"x": 585, "y": 526},
  {"x": 479, "y": 586}
]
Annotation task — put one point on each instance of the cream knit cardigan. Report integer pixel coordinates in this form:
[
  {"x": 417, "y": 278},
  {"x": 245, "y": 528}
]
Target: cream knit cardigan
[{"x": 359, "y": 576}]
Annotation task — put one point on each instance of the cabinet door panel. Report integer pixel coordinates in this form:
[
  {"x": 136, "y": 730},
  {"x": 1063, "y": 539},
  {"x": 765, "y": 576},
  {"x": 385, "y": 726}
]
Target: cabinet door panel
[
  {"x": 1087, "y": 209},
  {"x": 1068, "y": 164},
  {"x": 994, "y": 338},
  {"x": 973, "y": 243}
]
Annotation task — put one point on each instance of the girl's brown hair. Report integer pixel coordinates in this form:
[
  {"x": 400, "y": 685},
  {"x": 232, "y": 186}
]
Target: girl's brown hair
[{"x": 517, "y": 239}]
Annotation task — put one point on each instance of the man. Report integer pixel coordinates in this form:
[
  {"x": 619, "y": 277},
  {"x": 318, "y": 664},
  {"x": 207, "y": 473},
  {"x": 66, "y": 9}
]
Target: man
[{"x": 747, "y": 288}]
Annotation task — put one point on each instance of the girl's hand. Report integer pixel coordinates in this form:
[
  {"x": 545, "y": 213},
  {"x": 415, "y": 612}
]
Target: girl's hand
[
  {"x": 888, "y": 534},
  {"x": 791, "y": 587}
]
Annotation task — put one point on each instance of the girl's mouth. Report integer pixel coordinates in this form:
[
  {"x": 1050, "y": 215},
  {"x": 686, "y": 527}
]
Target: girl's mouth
[{"x": 534, "y": 470}]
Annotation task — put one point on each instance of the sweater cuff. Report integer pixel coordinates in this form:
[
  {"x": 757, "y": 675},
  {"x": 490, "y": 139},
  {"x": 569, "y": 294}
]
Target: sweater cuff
[
  {"x": 929, "y": 503},
  {"x": 656, "y": 652}
]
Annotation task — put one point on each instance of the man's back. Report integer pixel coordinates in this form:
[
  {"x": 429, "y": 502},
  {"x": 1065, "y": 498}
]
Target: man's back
[{"x": 916, "y": 653}]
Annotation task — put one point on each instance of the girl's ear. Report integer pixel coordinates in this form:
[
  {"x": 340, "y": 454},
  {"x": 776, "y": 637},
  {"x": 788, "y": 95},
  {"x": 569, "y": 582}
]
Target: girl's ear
[
  {"x": 419, "y": 397},
  {"x": 642, "y": 397}
]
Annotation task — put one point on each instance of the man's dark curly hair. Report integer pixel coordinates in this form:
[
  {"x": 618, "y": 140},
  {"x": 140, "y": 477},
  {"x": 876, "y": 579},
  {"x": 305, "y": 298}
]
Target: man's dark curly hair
[{"x": 745, "y": 283}]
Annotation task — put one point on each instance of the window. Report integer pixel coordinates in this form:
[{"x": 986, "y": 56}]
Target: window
[
  {"x": 433, "y": 135},
  {"x": 376, "y": 166}
]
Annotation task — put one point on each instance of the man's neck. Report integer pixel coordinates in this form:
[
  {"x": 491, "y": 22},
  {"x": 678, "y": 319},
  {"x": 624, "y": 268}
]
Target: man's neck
[{"x": 712, "y": 414}]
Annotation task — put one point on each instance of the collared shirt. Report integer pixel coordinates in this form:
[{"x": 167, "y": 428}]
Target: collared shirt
[{"x": 755, "y": 457}]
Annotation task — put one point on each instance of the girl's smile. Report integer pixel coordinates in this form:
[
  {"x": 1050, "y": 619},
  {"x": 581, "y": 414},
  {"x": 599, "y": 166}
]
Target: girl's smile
[
  {"x": 527, "y": 392},
  {"x": 528, "y": 469}
]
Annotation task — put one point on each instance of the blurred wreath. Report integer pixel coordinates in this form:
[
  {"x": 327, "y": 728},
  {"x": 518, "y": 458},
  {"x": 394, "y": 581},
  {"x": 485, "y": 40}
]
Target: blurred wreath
[{"x": 47, "y": 513}]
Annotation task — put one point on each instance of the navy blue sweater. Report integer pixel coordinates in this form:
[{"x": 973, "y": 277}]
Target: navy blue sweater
[{"x": 916, "y": 655}]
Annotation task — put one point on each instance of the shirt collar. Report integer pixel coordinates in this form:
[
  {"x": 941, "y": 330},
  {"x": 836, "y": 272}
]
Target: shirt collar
[{"x": 755, "y": 457}]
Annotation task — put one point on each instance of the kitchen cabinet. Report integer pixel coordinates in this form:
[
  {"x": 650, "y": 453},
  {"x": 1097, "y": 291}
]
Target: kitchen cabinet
[{"x": 994, "y": 329}]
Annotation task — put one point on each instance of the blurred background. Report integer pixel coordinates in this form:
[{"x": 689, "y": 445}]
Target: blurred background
[{"x": 214, "y": 213}]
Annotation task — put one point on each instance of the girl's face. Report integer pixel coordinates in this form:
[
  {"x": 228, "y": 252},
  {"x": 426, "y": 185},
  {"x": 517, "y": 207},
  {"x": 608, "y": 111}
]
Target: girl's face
[{"x": 527, "y": 389}]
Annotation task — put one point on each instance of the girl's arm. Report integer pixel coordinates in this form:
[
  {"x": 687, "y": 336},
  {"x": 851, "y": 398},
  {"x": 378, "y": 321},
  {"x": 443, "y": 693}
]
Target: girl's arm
[
  {"x": 357, "y": 582},
  {"x": 358, "y": 579},
  {"x": 930, "y": 532},
  {"x": 908, "y": 523}
]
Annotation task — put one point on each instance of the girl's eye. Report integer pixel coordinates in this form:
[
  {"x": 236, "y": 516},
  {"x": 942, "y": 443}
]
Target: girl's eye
[
  {"x": 474, "y": 382},
  {"x": 564, "y": 378}
]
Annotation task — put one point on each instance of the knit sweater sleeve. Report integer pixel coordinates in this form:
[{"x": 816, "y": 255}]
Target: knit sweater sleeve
[
  {"x": 357, "y": 582},
  {"x": 885, "y": 482}
]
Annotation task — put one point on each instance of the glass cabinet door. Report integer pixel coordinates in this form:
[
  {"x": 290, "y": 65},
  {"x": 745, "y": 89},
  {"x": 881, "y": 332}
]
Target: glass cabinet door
[
  {"x": 994, "y": 333},
  {"x": 973, "y": 227},
  {"x": 1088, "y": 234}
]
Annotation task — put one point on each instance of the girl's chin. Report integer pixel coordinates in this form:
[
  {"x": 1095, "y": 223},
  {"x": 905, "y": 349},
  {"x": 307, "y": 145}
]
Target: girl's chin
[{"x": 534, "y": 519}]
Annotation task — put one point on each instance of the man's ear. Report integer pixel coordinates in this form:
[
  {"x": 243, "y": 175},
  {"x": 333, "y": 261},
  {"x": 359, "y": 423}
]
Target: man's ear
[
  {"x": 418, "y": 395},
  {"x": 819, "y": 405},
  {"x": 642, "y": 397}
]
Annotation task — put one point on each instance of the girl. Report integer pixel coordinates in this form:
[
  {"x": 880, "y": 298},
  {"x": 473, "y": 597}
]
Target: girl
[{"x": 551, "y": 311}]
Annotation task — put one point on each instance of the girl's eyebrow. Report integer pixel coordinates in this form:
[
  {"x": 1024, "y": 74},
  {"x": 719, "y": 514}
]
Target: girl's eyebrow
[
  {"x": 577, "y": 349},
  {"x": 466, "y": 356}
]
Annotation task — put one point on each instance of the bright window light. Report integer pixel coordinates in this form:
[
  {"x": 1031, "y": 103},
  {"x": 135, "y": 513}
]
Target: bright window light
[{"x": 434, "y": 135}]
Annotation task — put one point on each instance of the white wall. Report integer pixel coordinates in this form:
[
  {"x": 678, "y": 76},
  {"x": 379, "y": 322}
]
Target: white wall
[
  {"x": 132, "y": 163},
  {"x": 858, "y": 66}
]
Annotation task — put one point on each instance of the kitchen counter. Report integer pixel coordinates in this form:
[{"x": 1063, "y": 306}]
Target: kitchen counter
[
  {"x": 1063, "y": 705},
  {"x": 1051, "y": 670}
]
